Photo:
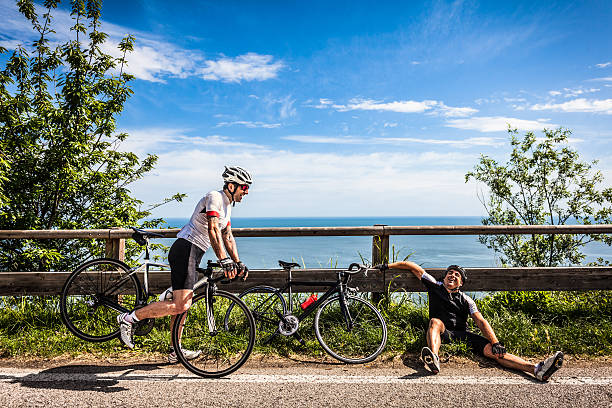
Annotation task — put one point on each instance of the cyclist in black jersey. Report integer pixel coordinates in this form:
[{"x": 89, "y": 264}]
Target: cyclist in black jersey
[{"x": 449, "y": 309}]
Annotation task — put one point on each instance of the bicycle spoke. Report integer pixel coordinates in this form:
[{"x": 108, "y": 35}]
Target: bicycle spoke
[
  {"x": 223, "y": 352},
  {"x": 363, "y": 342},
  {"x": 85, "y": 312}
]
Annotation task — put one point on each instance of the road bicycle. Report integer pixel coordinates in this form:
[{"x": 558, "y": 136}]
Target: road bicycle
[
  {"x": 347, "y": 326},
  {"x": 218, "y": 323}
]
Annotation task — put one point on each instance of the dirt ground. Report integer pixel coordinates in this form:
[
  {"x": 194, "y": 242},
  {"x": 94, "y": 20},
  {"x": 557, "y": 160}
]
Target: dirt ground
[{"x": 275, "y": 361}]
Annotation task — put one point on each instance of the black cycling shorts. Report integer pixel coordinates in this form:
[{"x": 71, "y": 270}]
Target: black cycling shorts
[
  {"x": 184, "y": 257},
  {"x": 475, "y": 341}
]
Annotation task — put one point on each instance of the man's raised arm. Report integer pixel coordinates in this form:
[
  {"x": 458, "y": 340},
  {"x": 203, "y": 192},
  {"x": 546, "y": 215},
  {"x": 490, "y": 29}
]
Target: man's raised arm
[{"x": 411, "y": 266}]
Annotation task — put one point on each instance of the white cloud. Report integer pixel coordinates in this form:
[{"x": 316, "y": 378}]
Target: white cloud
[
  {"x": 398, "y": 106},
  {"x": 604, "y": 79},
  {"x": 323, "y": 104},
  {"x": 153, "y": 58},
  {"x": 430, "y": 106},
  {"x": 603, "y": 65},
  {"x": 326, "y": 139},
  {"x": 571, "y": 92},
  {"x": 247, "y": 67},
  {"x": 285, "y": 182},
  {"x": 498, "y": 124},
  {"x": 578, "y": 105},
  {"x": 147, "y": 140},
  {"x": 250, "y": 124},
  {"x": 351, "y": 140},
  {"x": 454, "y": 112},
  {"x": 287, "y": 110},
  {"x": 390, "y": 124}
]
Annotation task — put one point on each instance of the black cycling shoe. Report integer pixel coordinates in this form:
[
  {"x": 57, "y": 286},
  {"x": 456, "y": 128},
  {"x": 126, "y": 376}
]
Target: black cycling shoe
[{"x": 431, "y": 360}]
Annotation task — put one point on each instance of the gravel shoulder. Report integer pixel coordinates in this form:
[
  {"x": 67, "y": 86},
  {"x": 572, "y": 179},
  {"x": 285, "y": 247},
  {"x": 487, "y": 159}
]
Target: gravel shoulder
[{"x": 258, "y": 361}]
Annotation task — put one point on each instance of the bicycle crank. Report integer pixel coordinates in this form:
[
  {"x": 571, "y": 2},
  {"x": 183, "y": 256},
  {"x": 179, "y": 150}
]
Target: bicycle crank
[{"x": 288, "y": 325}]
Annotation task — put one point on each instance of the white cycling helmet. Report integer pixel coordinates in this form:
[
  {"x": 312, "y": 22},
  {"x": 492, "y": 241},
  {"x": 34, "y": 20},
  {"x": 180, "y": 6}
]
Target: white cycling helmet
[{"x": 237, "y": 175}]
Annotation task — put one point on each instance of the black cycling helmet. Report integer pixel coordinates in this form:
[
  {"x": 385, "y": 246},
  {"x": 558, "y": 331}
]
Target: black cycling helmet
[{"x": 460, "y": 270}]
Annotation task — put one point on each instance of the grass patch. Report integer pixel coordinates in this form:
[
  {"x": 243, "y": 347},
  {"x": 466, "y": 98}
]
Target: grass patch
[{"x": 529, "y": 323}]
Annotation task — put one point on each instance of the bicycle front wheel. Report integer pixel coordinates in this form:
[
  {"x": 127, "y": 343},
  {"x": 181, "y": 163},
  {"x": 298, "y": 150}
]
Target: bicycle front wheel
[
  {"x": 223, "y": 348},
  {"x": 357, "y": 334},
  {"x": 94, "y": 294}
]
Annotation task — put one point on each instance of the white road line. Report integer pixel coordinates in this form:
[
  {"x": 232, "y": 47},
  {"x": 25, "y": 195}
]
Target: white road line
[{"x": 16, "y": 376}]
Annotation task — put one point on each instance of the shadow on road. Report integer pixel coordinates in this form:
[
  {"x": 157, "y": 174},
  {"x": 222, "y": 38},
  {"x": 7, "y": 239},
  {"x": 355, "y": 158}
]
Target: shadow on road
[
  {"x": 90, "y": 377},
  {"x": 415, "y": 363}
]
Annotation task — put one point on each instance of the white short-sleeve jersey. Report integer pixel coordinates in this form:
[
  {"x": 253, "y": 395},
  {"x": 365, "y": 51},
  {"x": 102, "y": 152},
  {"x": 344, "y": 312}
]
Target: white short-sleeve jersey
[{"x": 215, "y": 203}]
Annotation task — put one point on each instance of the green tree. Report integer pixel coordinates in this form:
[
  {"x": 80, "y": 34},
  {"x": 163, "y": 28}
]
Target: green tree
[
  {"x": 543, "y": 182},
  {"x": 63, "y": 167}
]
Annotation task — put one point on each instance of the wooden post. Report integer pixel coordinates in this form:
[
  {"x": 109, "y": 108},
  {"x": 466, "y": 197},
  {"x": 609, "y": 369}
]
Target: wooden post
[
  {"x": 115, "y": 248},
  {"x": 380, "y": 254}
]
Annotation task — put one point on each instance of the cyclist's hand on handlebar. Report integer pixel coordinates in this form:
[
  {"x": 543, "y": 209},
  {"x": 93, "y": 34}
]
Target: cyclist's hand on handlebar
[
  {"x": 243, "y": 271},
  {"x": 382, "y": 267},
  {"x": 229, "y": 267}
]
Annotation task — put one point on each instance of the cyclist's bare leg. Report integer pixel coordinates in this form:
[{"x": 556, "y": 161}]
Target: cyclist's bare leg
[
  {"x": 182, "y": 325},
  {"x": 510, "y": 360},
  {"x": 436, "y": 328},
  {"x": 181, "y": 302}
]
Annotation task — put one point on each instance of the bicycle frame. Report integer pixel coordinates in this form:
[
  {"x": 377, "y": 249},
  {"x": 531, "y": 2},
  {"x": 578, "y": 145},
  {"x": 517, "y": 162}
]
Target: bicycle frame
[{"x": 338, "y": 286}]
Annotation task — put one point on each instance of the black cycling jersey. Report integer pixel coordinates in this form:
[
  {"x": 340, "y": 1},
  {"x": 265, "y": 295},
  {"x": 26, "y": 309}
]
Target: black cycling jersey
[{"x": 452, "y": 308}]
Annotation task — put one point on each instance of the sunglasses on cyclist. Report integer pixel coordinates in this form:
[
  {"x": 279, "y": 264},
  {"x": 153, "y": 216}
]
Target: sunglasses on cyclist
[{"x": 244, "y": 187}]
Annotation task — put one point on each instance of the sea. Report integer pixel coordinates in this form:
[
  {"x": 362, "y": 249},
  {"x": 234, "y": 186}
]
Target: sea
[{"x": 436, "y": 251}]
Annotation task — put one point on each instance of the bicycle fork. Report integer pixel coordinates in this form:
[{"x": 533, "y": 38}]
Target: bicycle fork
[
  {"x": 345, "y": 311},
  {"x": 210, "y": 313}
]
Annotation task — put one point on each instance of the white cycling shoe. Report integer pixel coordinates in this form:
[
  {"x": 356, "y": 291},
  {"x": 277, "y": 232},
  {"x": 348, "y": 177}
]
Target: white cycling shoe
[
  {"x": 189, "y": 355},
  {"x": 126, "y": 330},
  {"x": 547, "y": 367}
]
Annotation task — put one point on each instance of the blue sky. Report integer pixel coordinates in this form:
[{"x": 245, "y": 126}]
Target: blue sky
[{"x": 351, "y": 108}]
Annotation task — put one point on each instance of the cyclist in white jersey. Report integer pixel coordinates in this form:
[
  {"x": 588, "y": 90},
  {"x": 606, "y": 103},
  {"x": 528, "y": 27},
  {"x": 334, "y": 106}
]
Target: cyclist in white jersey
[{"x": 209, "y": 226}]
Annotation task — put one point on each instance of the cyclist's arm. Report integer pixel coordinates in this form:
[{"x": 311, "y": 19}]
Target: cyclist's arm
[
  {"x": 484, "y": 327},
  {"x": 411, "y": 266},
  {"x": 216, "y": 238},
  {"x": 230, "y": 243}
]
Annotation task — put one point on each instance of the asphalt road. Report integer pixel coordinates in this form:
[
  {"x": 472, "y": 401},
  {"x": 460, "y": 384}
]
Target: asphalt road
[{"x": 301, "y": 385}]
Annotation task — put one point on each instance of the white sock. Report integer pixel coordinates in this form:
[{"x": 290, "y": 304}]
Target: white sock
[
  {"x": 535, "y": 369},
  {"x": 132, "y": 317}
]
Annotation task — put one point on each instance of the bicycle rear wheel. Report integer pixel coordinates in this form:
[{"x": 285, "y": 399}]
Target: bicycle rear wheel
[
  {"x": 266, "y": 304},
  {"x": 94, "y": 294},
  {"x": 226, "y": 349},
  {"x": 357, "y": 340}
]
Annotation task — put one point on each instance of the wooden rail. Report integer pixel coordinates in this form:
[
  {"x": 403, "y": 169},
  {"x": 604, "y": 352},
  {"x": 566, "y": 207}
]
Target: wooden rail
[
  {"x": 375, "y": 230},
  {"x": 481, "y": 279}
]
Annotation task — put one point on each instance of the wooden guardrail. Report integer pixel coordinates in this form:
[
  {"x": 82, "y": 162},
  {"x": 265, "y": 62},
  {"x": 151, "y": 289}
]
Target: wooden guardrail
[{"x": 481, "y": 279}]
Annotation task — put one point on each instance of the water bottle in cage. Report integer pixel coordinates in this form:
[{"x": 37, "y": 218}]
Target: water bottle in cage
[{"x": 311, "y": 299}]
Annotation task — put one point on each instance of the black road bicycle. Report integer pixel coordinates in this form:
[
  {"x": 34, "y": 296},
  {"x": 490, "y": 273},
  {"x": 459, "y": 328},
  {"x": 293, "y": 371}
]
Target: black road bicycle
[
  {"x": 218, "y": 323},
  {"x": 347, "y": 326}
]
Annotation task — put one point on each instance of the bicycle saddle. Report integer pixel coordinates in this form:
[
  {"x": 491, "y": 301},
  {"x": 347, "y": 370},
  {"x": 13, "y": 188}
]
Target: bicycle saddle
[
  {"x": 140, "y": 234},
  {"x": 288, "y": 265}
]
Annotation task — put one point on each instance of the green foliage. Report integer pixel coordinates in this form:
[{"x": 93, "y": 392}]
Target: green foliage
[
  {"x": 61, "y": 166},
  {"x": 543, "y": 182},
  {"x": 529, "y": 323}
]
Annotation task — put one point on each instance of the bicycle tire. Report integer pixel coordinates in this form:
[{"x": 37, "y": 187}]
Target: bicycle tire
[
  {"x": 264, "y": 302},
  {"x": 87, "y": 307},
  {"x": 363, "y": 342},
  {"x": 221, "y": 353}
]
